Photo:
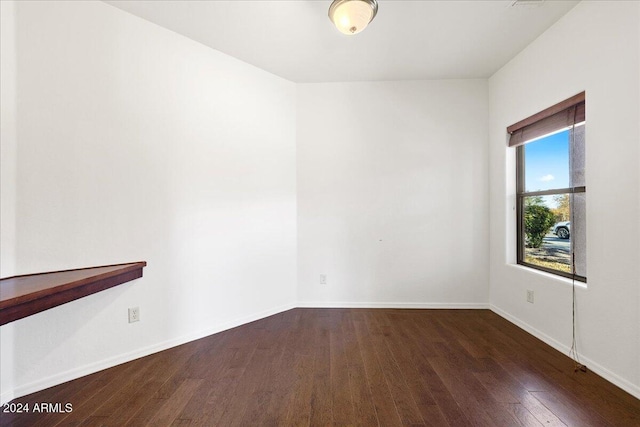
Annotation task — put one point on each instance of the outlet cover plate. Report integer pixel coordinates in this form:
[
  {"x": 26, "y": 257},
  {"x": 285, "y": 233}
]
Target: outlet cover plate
[
  {"x": 134, "y": 314},
  {"x": 530, "y": 296}
]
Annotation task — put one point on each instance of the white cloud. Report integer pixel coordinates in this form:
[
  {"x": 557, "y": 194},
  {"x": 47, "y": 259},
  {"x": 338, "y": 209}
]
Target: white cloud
[{"x": 547, "y": 178}]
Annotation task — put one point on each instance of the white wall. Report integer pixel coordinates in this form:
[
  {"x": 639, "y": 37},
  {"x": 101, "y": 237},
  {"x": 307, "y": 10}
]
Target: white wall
[
  {"x": 593, "y": 48},
  {"x": 139, "y": 144},
  {"x": 8, "y": 161},
  {"x": 392, "y": 194},
  {"x": 8, "y": 147}
]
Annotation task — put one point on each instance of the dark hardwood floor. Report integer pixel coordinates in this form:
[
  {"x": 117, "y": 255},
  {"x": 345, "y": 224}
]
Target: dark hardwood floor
[{"x": 346, "y": 367}]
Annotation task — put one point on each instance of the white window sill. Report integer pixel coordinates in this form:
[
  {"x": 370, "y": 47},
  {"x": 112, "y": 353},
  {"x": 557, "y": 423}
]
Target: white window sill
[{"x": 550, "y": 276}]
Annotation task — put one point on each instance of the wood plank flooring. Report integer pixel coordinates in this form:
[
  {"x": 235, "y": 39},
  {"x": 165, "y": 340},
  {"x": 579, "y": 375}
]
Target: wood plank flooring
[{"x": 360, "y": 367}]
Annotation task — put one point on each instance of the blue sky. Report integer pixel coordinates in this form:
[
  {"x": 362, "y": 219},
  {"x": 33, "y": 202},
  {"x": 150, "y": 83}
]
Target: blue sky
[{"x": 547, "y": 164}]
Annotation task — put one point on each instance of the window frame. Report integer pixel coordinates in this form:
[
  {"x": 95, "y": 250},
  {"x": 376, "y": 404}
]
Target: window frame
[{"x": 521, "y": 192}]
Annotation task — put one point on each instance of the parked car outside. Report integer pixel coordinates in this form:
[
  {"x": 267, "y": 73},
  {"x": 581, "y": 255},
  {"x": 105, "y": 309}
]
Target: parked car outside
[{"x": 562, "y": 229}]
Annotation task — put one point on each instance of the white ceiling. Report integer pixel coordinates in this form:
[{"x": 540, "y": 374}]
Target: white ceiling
[{"x": 407, "y": 40}]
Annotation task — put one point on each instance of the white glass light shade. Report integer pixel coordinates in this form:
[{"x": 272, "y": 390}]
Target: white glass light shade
[{"x": 352, "y": 16}]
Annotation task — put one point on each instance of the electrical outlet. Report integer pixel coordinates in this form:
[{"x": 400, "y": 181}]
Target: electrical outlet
[
  {"x": 530, "y": 296},
  {"x": 134, "y": 314},
  {"x": 323, "y": 279}
]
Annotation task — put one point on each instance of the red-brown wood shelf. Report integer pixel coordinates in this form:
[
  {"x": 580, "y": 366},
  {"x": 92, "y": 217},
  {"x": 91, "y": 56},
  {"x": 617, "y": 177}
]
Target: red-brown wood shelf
[{"x": 22, "y": 296}]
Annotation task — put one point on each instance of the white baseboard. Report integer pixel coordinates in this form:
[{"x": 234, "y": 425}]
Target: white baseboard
[
  {"x": 91, "y": 368},
  {"x": 423, "y": 305},
  {"x": 592, "y": 365},
  {"x": 7, "y": 396}
]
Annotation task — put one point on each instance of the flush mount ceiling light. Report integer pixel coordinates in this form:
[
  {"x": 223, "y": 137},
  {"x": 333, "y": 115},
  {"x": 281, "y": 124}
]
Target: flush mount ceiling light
[{"x": 352, "y": 16}]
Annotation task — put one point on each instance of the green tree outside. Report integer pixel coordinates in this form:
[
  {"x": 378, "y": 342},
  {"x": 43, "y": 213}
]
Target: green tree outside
[
  {"x": 538, "y": 219},
  {"x": 533, "y": 201}
]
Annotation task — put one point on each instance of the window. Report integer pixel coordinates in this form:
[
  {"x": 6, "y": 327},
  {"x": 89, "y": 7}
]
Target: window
[{"x": 551, "y": 189}]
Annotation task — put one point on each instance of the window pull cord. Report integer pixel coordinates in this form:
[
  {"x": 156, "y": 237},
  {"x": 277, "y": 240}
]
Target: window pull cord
[{"x": 573, "y": 353}]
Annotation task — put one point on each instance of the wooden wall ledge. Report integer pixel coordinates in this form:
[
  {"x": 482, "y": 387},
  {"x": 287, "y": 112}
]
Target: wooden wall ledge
[{"x": 22, "y": 296}]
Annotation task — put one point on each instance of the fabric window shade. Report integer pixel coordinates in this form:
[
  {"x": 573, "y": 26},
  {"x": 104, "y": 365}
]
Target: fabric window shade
[{"x": 560, "y": 116}]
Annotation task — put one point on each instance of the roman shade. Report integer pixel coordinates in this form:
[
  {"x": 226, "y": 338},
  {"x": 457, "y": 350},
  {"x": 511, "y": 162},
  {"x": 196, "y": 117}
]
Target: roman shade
[{"x": 560, "y": 116}]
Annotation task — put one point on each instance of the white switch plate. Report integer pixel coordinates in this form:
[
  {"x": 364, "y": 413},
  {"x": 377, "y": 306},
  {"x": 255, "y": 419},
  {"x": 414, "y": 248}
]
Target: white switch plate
[{"x": 323, "y": 279}]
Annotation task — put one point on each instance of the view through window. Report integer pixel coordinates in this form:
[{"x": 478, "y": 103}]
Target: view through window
[{"x": 551, "y": 195}]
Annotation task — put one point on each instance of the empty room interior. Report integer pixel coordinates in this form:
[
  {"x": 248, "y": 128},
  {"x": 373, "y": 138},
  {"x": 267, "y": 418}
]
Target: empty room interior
[{"x": 350, "y": 212}]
